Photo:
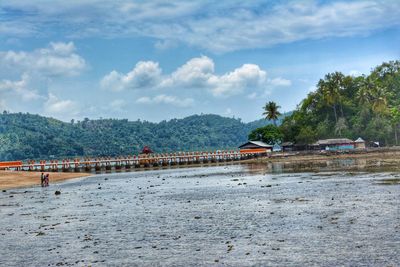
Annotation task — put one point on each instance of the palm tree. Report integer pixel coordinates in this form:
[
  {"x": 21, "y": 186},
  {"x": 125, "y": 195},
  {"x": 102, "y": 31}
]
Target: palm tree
[
  {"x": 366, "y": 90},
  {"x": 331, "y": 87},
  {"x": 379, "y": 100},
  {"x": 340, "y": 126},
  {"x": 373, "y": 95},
  {"x": 271, "y": 111},
  {"x": 395, "y": 120}
]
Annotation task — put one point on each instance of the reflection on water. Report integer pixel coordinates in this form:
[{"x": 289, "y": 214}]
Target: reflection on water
[
  {"x": 237, "y": 215},
  {"x": 362, "y": 164}
]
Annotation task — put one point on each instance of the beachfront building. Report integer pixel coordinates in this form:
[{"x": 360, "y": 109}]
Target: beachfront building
[
  {"x": 276, "y": 148},
  {"x": 255, "y": 147},
  {"x": 359, "y": 143},
  {"x": 287, "y": 146},
  {"x": 334, "y": 144}
]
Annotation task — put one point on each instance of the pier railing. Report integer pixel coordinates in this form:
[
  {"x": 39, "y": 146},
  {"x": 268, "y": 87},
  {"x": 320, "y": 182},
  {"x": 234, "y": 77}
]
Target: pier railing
[{"x": 134, "y": 161}]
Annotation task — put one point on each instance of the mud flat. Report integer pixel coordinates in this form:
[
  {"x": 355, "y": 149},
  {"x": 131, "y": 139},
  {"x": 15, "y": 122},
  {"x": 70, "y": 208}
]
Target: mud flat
[
  {"x": 237, "y": 215},
  {"x": 392, "y": 153},
  {"x": 15, "y": 179}
]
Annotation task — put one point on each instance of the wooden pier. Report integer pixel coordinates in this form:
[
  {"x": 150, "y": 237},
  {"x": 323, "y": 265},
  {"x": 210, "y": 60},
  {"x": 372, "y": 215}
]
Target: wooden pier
[{"x": 131, "y": 162}]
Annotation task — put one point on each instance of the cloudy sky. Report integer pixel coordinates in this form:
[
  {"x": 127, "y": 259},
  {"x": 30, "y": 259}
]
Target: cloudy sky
[{"x": 156, "y": 60}]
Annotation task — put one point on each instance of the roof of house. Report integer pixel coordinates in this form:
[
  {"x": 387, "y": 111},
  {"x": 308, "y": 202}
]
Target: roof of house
[
  {"x": 257, "y": 143},
  {"x": 287, "y": 144},
  {"x": 359, "y": 140},
  {"x": 334, "y": 141}
]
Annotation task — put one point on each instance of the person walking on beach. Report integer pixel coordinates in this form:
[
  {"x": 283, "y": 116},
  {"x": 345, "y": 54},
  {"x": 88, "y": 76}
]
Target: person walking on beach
[
  {"x": 42, "y": 179},
  {"x": 46, "y": 180}
]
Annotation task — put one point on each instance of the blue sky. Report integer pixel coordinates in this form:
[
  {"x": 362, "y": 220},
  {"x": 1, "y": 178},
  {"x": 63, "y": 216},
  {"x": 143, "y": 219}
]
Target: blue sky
[{"x": 157, "y": 60}]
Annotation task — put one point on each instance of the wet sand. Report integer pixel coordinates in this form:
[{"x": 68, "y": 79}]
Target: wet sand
[
  {"x": 237, "y": 215},
  {"x": 356, "y": 160},
  {"x": 16, "y": 179},
  {"x": 390, "y": 153}
]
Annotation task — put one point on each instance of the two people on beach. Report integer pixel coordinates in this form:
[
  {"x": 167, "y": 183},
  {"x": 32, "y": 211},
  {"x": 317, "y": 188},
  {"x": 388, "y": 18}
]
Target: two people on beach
[{"x": 44, "y": 180}]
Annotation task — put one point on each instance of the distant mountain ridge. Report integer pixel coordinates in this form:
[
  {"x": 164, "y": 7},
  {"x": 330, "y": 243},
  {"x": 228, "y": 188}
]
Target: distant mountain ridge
[{"x": 27, "y": 136}]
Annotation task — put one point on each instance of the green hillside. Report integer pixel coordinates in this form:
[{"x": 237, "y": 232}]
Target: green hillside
[
  {"x": 366, "y": 106},
  {"x": 26, "y": 136}
]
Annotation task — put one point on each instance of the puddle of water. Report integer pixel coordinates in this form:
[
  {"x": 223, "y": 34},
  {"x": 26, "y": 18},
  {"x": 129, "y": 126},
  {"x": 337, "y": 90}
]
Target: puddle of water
[{"x": 393, "y": 181}]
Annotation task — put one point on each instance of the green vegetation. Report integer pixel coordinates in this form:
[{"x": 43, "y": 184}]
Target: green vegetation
[
  {"x": 347, "y": 106},
  {"x": 341, "y": 106},
  {"x": 269, "y": 134},
  {"x": 26, "y": 136},
  {"x": 271, "y": 111}
]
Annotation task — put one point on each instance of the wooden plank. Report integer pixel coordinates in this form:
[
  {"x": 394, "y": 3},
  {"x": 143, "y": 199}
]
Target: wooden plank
[{"x": 255, "y": 150}]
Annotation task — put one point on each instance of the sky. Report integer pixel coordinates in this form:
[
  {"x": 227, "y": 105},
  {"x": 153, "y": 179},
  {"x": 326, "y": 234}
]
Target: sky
[{"x": 158, "y": 60}]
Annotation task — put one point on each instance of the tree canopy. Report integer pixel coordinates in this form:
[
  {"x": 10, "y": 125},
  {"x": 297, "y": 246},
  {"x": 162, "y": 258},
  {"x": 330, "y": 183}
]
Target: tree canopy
[
  {"x": 366, "y": 106},
  {"x": 269, "y": 134},
  {"x": 271, "y": 111},
  {"x": 26, "y": 136}
]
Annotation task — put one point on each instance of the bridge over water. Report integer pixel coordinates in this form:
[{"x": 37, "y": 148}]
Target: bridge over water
[{"x": 130, "y": 162}]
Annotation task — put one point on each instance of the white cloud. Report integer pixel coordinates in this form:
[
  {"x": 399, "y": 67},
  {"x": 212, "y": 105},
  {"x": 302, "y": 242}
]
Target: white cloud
[
  {"x": 145, "y": 74},
  {"x": 20, "y": 88},
  {"x": 216, "y": 26},
  {"x": 197, "y": 73},
  {"x": 248, "y": 76},
  {"x": 54, "y": 105},
  {"x": 280, "y": 82},
  {"x": 58, "y": 59},
  {"x": 166, "y": 99}
]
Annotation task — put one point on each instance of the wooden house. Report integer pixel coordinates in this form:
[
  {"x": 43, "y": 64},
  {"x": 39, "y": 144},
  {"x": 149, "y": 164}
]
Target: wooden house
[
  {"x": 334, "y": 144},
  {"x": 287, "y": 146},
  {"x": 255, "y": 147},
  {"x": 359, "y": 143}
]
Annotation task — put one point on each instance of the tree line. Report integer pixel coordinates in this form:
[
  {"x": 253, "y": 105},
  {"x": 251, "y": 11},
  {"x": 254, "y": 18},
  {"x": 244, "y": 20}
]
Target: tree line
[
  {"x": 27, "y": 136},
  {"x": 366, "y": 106}
]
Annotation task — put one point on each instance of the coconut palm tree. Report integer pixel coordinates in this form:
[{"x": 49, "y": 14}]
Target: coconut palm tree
[
  {"x": 331, "y": 88},
  {"x": 271, "y": 111},
  {"x": 379, "y": 101},
  {"x": 341, "y": 126},
  {"x": 373, "y": 95}
]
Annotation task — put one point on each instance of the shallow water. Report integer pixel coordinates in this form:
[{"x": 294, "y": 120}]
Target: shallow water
[{"x": 237, "y": 215}]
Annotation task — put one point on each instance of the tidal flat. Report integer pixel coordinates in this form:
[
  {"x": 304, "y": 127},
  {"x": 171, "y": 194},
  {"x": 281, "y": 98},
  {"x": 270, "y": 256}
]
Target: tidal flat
[{"x": 235, "y": 215}]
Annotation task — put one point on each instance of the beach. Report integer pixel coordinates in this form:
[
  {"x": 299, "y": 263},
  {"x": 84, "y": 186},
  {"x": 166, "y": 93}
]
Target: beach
[
  {"x": 17, "y": 179},
  {"x": 355, "y": 160},
  {"x": 233, "y": 215}
]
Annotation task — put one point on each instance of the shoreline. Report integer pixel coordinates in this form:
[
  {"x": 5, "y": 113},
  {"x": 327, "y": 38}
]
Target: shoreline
[
  {"x": 21, "y": 179},
  {"x": 386, "y": 154}
]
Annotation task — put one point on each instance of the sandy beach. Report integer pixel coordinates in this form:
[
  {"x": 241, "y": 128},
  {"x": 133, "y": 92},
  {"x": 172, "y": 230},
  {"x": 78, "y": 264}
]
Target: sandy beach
[{"x": 15, "y": 179}]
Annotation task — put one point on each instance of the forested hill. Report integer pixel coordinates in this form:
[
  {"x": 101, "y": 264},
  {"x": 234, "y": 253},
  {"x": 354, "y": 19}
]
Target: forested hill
[
  {"x": 26, "y": 136},
  {"x": 366, "y": 106}
]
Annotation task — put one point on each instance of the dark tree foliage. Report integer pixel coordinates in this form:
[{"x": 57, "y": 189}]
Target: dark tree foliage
[
  {"x": 348, "y": 106},
  {"x": 269, "y": 134},
  {"x": 271, "y": 111},
  {"x": 26, "y": 136}
]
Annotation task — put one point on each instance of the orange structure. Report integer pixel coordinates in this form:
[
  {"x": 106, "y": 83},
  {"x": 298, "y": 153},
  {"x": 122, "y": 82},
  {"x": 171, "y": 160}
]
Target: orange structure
[
  {"x": 4, "y": 165},
  {"x": 255, "y": 147},
  {"x": 149, "y": 160}
]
